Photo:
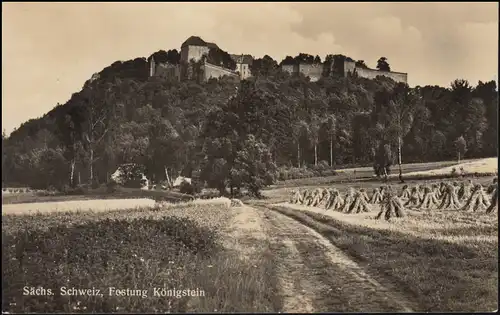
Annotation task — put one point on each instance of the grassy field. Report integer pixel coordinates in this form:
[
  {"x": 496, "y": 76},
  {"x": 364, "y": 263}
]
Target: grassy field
[
  {"x": 412, "y": 171},
  {"x": 93, "y": 194},
  {"x": 361, "y": 173},
  {"x": 177, "y": 248}
]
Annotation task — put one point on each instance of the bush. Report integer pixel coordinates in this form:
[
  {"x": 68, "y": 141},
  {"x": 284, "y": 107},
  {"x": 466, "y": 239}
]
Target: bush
[
  {"x": 322, "y": 169},
  {"x": 78, "y": 190},
  {"x": 197, "y": 186},
  {"x": 134, "y": 183},
  {"x": 187, "y": 188},
  {"x": 111, "y": 186}
]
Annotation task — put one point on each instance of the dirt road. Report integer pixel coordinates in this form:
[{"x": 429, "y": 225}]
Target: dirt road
[{"x": 314, "y": 275}]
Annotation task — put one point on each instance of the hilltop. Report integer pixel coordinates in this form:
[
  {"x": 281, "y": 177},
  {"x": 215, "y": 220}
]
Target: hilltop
[{"x": 243, "y": 133}]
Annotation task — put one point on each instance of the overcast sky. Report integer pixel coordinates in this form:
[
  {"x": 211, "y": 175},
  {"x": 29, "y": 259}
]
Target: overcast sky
[{"x": 50, "y": 49}]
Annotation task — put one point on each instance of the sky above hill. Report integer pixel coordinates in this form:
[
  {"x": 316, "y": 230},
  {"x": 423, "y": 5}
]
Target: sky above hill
[{"x": 50, "y": 49}]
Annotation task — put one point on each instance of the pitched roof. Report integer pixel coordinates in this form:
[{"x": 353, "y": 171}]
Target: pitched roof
[
  {"x": 246, "y": 59},
  {"x": 194, "y": 41},
  {"x": 212, "y": 45}
]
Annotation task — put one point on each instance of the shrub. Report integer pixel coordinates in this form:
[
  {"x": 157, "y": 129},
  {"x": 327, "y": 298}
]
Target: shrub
[
  {"x": 197, "y": 186},
  {"x": 78, "y": 190},
  {"x": 186, "y": 188},
  {"x": 111, "y": 186}
]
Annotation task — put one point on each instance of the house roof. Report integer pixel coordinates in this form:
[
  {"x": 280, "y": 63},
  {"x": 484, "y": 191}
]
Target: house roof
[
  {"x": 245, "y": 59},
  {"x": 194, "y": 41},
  {"x": 212, "y": 45}
]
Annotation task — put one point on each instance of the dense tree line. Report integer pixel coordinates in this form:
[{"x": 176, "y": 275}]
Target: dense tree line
[{"x": 239, "y": 134}]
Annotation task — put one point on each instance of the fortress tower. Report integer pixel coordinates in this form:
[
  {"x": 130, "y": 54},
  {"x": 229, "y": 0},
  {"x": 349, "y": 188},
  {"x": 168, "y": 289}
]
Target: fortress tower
[
  {"x": 194, "y": 48},
  {"x": 152, "y": 67}
]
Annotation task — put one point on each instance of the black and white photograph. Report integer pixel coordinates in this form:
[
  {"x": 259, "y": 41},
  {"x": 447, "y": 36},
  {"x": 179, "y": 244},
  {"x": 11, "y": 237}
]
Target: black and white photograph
[{"x": 249, "y": 157}]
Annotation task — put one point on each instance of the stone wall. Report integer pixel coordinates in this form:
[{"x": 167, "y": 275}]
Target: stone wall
[
  {"x": 349, "y": 66},
  {"x": 166, "y": 70},
  {"x": 372, "y": 73},
  {"x": 193, "y": 52},
  {"x": 213, "y": 71},
  {"x": 313, "y": 71}
]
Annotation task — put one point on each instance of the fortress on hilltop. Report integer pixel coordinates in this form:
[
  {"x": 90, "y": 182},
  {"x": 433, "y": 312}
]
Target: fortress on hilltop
[{"x": 195, "y": 51}]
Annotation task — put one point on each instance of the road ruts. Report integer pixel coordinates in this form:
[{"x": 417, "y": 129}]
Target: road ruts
[{"x": 316, "y": 276}]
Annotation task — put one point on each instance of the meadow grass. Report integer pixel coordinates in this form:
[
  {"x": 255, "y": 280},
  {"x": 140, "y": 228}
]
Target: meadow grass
[
  {"x": 435, "y": 264},
  {"x": 95, "y": 194},
  {"x": 174, "y": 247}
]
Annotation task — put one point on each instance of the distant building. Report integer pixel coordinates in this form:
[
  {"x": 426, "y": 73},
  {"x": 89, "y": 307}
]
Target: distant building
[
  {"x": 195, "y": 48},
  {"x": 351, "y": 68},
  {"x": 314, "y": 71},
  {"x": 243, "y": 63},
  {"x": 164, "y": 70}
]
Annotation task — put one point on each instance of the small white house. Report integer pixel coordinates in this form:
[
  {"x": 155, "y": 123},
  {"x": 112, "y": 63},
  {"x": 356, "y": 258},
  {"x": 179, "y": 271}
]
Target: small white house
[
  {"x": 118, "y": 175},
  {"x": 178, "y": 181}
]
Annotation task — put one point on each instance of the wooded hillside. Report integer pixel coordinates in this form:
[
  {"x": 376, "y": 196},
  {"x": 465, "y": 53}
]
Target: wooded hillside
[{"x": 240, "y": 133}]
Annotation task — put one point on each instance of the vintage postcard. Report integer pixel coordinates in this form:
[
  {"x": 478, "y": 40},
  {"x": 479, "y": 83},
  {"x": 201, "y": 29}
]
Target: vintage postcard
[{"x": 249, "y": 157}]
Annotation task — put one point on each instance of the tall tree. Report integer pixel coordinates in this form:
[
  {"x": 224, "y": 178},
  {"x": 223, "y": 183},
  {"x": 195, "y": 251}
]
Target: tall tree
[
  {"x": 314, "y": 129},
  {"x": 395, "y": 117},
  {"x": 461, "y": 147},
  {"x": 330, "y": 126},
  {"x": 383, "y": 65}
]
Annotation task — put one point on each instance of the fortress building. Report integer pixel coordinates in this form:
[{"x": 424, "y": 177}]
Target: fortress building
[
  {"x": 243, "y": 63},
  {"x": 351, "y": 68},
  {"x": 196, "y": 49},
  {"x": 313, "y": 71}
]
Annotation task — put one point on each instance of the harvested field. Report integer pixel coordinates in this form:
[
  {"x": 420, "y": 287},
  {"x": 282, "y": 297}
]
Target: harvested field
[
  {"x": 489, "y": 166},
  {"x": 415, "y": 253}
]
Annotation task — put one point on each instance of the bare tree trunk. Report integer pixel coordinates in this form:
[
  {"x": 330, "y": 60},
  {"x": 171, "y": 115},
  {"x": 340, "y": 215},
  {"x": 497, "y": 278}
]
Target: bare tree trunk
[
  {"x": 169, "y": 183},
  {"x": 91, "y": 179},
  {"x": 331, "y": 151},
  {"x": 79, "y": 178},
  {"x": 315, "y": 154},
  {"x": 458, "y": 156},
  {"x": 399, "y": 160},
  {"x": 298, "y": 154},
  {"x": 72, "y": 172}
]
